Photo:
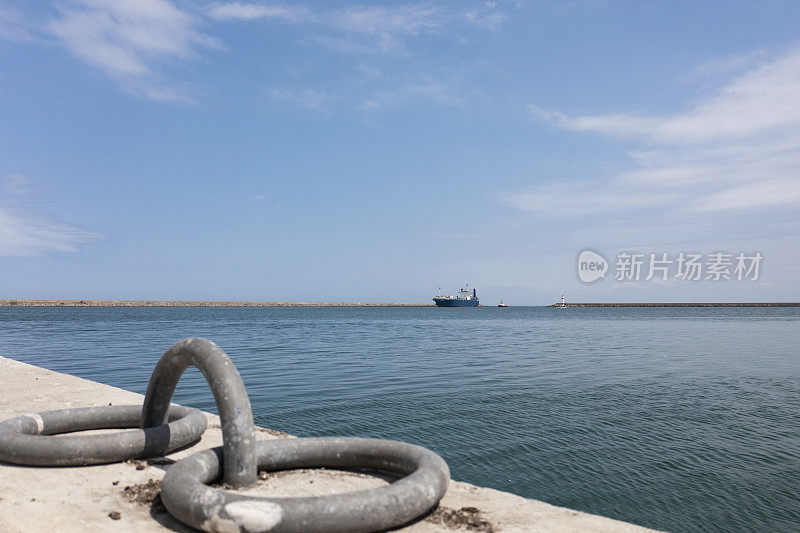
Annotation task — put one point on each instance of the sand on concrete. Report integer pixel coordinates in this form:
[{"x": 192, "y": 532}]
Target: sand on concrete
[{"x": 124, "y": 496}]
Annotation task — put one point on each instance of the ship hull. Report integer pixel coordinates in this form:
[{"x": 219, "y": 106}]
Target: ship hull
[{"x": 445, "y": 302}]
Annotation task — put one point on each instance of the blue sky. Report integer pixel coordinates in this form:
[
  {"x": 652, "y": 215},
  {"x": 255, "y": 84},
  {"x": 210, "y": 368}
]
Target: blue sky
[{"x": 375, "y": 151}]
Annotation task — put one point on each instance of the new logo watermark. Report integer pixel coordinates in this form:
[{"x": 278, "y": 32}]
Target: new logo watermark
[
  {"x": 591, "y": 266},
  {"x": 684, "y": 266}
]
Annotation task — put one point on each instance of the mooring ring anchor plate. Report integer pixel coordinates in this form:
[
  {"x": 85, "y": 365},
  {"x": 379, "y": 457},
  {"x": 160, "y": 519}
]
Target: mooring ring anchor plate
[
  {"x": 34, "y": 439},
  {"x": 186, "y": 495}
]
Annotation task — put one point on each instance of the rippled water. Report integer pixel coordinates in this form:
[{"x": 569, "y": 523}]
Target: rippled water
[{"x": 685, "y": 419}]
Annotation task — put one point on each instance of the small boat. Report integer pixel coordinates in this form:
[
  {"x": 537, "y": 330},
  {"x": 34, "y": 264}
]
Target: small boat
[{"x": 502, "y": 303}]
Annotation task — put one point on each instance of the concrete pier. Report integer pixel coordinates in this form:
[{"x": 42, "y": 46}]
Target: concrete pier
[
  {"x": 192, "y": 303},
  {"x": 124, "y": 496},
  {"x": 677, "y": 304}
]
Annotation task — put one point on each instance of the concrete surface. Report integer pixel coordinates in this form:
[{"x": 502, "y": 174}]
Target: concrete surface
[{"x": 121, "y": 496}]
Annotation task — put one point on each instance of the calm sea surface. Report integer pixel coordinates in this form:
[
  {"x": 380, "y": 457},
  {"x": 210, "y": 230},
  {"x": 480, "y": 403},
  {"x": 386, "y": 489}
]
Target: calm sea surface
[{"x": 673, "y": 418}]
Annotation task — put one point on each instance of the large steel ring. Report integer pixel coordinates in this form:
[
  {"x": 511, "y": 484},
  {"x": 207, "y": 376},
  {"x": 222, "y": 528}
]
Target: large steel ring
[
  {"x": 424, "y": 482},
  {"x": 235, "y": 414},
  {"x": 29, "y": 439}
]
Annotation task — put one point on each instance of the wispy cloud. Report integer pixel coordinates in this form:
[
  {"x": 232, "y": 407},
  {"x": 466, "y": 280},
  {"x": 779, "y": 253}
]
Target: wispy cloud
[
  {"x": 764, "y": 100},
  {"x": 23, "y": 235},
  {"x": 347, "y": 45},
  {"x": 138, "y": 43},
  {"x": 367, "y": 29},
  {"x": 424, "y": 90},
  {"x": 731, "y": 65},
  {"x": 25, "y": 231},
  {"x": 768, "y": 193},
  {"x": 736, "y": 149},
  {"x": 130, "y": 40},
  {"x": 253, "y": 11},
  {"x": 388, "y": 26},
  {"x": 427, "y": 89},
  {"x": 302, "y": 97},
  {"x": 379, "y": 29},
  {"x": 16, "y": 25},
  {"x": 580, "y": 198},
  {"x": 410, "y": 19},
  {"x": 486, "y": 16}
]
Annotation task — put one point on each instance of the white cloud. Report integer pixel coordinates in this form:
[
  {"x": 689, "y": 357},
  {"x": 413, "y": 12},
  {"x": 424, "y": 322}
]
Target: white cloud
[
  {"x": 347, "y": 45},
  {"x": 251, "y": 11},
  {"x": 16, "y": 186},
  {"x": 135, "y": 42},
  {"x": 424, "y": 90},
  {"x": 365, "y": 29},
  {"x": 303, "y": 97},
  {"x": 24, "y": 235},
  {"x": 383, "y": 29},
  {"x": 410, "y": 19},
  {"x": 376, "y": 20},
  {"x": 764, "y": 100},
  {"x": 736, "y": 149},
  {"x": 427, "y": 89},
  {"x": 766, "y": 194},
  {"x": 130, "y": 39},
  {"x": 582, "y": 198},
  {"x": 15, "y": 25},
  {"x": 24, "y": 231},
  {"x": 731, "y": 65},
  {"x": 486, "y": 16},
  {"x": 491, "y": 21}
]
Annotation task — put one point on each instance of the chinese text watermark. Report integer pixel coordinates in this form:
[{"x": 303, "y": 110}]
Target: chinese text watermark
[{"x": 683, "y": 266}]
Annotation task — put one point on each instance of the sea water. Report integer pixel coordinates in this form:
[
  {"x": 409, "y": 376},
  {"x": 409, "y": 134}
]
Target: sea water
[{"x": 684, "y": 419}]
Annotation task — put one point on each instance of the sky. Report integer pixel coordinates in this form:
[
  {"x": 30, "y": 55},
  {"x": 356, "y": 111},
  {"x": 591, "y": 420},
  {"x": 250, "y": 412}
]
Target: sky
[{"x": 376, "y": 151}]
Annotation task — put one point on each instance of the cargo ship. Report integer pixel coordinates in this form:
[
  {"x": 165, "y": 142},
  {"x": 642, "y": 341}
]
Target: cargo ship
[{"x": 465, "y": 298}]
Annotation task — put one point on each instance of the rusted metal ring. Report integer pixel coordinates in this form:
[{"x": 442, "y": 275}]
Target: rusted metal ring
[
  {"x": 424, "y": 481},
  {"x": 30, "y": 439}
]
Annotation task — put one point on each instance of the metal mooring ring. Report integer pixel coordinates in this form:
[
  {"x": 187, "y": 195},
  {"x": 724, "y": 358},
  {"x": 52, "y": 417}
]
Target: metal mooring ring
[
  {"x": 426, "y": 476},
  {"x": 29, "y": 440},
  {"x": 26, "y": 440},
  {"x": 233, "y": 404}
]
